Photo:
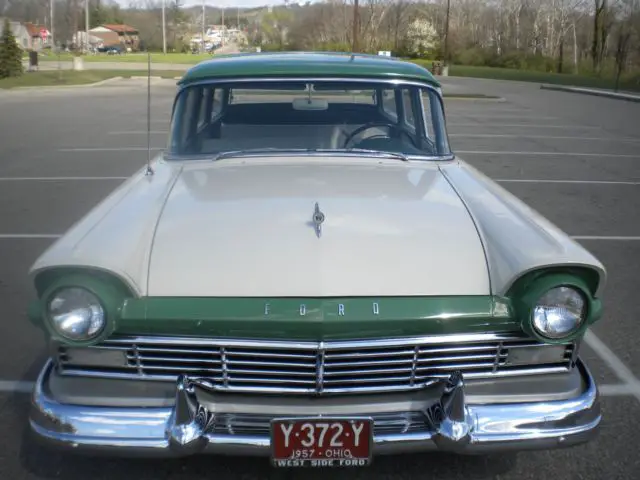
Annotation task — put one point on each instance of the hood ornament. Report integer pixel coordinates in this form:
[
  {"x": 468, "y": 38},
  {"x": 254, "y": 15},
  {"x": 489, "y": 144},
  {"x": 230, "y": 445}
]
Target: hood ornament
[{"x": 317, "y": 219}]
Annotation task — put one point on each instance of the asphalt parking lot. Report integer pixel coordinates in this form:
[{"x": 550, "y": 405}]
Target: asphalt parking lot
[{"x": 574, "y": 158}]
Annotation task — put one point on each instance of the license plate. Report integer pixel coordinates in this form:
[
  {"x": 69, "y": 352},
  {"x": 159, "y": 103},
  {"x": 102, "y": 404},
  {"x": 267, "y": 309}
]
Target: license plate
[{"x": 321, "y": 442}]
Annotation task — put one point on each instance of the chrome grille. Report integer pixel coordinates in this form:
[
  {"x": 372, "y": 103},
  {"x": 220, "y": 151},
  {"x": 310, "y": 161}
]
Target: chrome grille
[
  {"x": 394, "y": 423},
  {"x": 316, "y": 367}
]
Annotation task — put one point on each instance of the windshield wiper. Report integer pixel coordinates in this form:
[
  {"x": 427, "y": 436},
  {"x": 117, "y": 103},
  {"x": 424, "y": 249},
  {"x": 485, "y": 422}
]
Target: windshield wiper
[
  {"x": 258, "y": 151},
  {"x": 261, "y": 151},
  {"x": 375, "y": 153}
]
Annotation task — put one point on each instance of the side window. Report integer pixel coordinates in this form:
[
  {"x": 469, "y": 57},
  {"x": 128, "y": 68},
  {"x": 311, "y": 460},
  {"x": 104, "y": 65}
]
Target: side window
[
  {"x": 184, "y": 118},
  {"x": 428, "y": 113},
  {"x": 203, "y": 107},
  {"x": 218, "y": 100},
  {"x": 389, "y": 103},
  {"x": 409, "y": 114}
]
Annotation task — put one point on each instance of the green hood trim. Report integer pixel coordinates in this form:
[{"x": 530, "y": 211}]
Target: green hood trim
[{"x": 316, "y": 318}]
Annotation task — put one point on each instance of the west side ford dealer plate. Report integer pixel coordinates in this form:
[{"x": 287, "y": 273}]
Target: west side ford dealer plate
[{"x": 321, "y": 442}]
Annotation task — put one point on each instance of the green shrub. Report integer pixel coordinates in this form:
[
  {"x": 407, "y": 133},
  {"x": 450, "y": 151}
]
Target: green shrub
[{"x": 10, "y": 53}]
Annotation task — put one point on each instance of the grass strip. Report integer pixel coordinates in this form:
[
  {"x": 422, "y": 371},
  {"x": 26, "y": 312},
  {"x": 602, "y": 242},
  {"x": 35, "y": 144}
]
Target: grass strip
[
  {"x": 52, "y": 78},
  {"x": 175, "y": 58}
]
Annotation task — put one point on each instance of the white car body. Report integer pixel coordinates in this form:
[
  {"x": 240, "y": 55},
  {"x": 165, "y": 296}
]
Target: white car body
[{"x": 240, "y": 227}]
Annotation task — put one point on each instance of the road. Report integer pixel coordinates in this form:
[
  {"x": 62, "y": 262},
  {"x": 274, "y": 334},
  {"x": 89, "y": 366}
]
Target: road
[{"x": 574, "y": 158}]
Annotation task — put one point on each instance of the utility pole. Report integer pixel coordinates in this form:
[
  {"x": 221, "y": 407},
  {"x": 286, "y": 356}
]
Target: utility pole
[
  {"x": 86, "y": 23},
  {"x": 238, "y": 18},
  {"x": 203, "y": 20},
  {"x": 356, "y": 26},
  {"x": 164, "y": 30},
  {"x": 53, "y": 43},
  {"x": 445, "y": 60},
  {"x": 224, "y": 30}
]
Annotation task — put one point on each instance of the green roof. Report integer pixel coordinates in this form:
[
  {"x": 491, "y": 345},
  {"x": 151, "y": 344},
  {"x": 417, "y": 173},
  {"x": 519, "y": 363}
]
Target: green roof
[{"x": 260, "y": 65}]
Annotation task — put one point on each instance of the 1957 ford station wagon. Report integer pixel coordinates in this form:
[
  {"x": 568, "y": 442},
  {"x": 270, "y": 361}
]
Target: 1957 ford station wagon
[{"x": 307, "y": 272}]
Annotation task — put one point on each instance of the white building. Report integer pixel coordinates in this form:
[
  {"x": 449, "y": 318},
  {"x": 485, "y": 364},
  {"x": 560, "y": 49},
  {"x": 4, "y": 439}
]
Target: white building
[{"x": 20, "y": 32}]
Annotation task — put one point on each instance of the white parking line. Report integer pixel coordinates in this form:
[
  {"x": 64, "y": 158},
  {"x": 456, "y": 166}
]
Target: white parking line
[
  {"x": 614, "y": 390},
  {"x": 153, "y": 120},
  {"x": 140, "y": 132},
  {"x": 452, "y": 113},
  {"x": 595, "y": 182},
  {"x": 521, "y": 125},
  {"x": 556, "y": 154},
  {"x": 108, "y": 149},
  {"x": 604, "y": 237},
  {"x": 42, "y": 179},
  {"x": 12, "y": 386},
  {"x": 548, "y": 137},
  {"x": 616, "y": 365},
  {"x": 29, "y": 235}
]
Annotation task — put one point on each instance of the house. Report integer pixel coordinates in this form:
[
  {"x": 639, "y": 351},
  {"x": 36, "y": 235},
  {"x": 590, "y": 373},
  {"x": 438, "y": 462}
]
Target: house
[
  {"x": 79, "y": 39},
  {"x": 127, "y": 36},
  {"x": 39, "y": 35},
  {"x": 104, "y": 39},
  {"x": 20, "y": 32}
]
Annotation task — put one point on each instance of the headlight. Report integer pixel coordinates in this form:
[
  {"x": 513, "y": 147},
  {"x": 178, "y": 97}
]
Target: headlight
[
  {"x": 559, "y": 312},
  {"x": 76, "y": 313}
]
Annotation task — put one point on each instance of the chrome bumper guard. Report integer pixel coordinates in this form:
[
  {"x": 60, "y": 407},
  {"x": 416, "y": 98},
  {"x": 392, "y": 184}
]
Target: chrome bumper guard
[{"x": 185, "y": 429}]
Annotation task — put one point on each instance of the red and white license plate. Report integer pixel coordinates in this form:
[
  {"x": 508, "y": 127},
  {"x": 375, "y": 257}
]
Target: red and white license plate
[{"x": 321, "y": 442}]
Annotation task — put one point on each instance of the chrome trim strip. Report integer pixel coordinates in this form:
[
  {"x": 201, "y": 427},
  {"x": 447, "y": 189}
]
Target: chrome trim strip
[
  {"x": 225, "y": 373},
  {"x": 145, "y": 431},
  {"x": 387, "y": 388},
  {"x": 497, "y": 357},
  {"x": 309, "y": 153},
  {"x": 346, "y": 79},
  {"x": 320, "y": 368},
  {"x": 334, "y": 367},
  {"x": 328, "y": 345}
]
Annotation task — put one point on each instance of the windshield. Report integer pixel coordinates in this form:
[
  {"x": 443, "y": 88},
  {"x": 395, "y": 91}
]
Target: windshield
[{"x": 219, "y": 118}]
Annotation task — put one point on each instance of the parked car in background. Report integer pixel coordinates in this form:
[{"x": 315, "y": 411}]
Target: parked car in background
[
  {"x": 309, "y": 273},
  {"x": 111, "y": 50}
]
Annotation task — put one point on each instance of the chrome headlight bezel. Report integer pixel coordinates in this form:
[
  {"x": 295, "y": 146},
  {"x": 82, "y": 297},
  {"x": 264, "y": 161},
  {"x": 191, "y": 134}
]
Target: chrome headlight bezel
[
  {"x": 529, "y": 290},
  {"x": 110, "y": 293},
  {"x": 567, "y": 311},
  {"x": 81, "y": 310}
]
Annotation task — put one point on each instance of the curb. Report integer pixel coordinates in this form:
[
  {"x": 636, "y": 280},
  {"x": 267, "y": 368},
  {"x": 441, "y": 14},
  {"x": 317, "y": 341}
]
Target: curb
[
  {"x": 596, "y": 93},
  {"x": 474, "y": 99},
  {"x": 81, "y": 85}
]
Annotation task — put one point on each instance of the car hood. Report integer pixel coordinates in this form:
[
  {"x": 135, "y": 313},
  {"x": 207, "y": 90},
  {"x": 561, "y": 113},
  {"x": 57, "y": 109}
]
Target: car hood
[{"x": 243, "y": 227}]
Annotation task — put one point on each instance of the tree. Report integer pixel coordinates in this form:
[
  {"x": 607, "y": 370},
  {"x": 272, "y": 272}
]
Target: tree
[
  {"x": 421, "y": 37},
  {"x": 600, "y": 33},
  {"x": 622, "y": 52},
  {"x": 10, "y": 53},
  {"x": 275, "y": 27},
  {"x": 177, "y": 20}
]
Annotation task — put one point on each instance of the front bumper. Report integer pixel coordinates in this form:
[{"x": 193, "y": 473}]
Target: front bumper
[{"x": 185, "y": 428}]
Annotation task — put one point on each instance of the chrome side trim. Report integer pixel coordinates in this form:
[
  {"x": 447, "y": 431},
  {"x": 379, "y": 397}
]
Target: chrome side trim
[{"x": 185, "y": 428}]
